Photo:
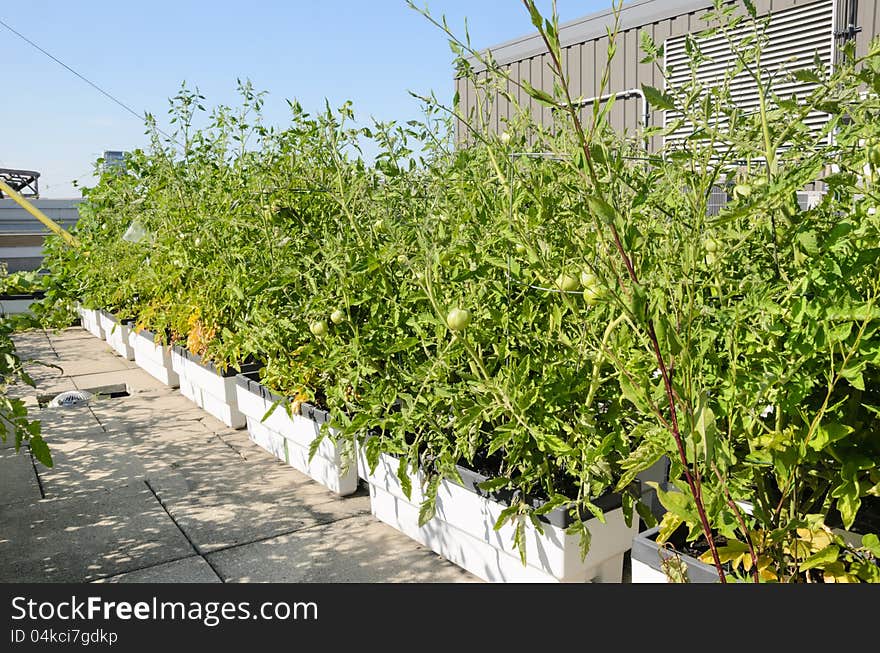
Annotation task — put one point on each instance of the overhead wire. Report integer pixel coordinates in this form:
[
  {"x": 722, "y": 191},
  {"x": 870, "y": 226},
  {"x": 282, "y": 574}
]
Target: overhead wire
[{"x": 110, "y": 96}]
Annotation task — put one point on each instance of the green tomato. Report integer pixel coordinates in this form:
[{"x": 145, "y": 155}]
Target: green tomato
[
  {"x": 593, "y": 290},
  {"x": 711, "y": 245},
  {"x": 567, "y": 283},
  {"x": 521, "y": 249},
  {"x": 337, "y": 316},
  {"x": 318, "y": 328},
  {"x": 742, "y": 190},
  {"x": 458, "y": 319}
]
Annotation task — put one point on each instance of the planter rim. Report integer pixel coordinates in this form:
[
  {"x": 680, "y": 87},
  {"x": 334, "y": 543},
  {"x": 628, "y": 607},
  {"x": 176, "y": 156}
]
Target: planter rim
[
  {"x": 250, "y": 381},
  {"x": 646, "y": 550},
  {"x": 37, "y": 294},
  {"x": 229, "y": 372},
  {"x": 559, "y": 517}
]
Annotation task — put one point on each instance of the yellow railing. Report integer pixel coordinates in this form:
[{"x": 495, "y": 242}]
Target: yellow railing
[{"x": 39, "y": 215}]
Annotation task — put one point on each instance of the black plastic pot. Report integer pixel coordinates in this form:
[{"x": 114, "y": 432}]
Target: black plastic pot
[
  {"x": 36, "y": 295},
  {"x": 249, "y": 365},
  {"x": 560, "y": 517},
  {"x": 250, "y": 380}
]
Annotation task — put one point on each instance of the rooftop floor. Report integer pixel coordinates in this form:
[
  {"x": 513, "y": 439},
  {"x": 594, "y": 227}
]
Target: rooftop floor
[{"x": 150, "y": 488}]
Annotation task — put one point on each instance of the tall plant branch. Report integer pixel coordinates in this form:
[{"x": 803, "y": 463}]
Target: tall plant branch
[{"x": 553, "y": 48}]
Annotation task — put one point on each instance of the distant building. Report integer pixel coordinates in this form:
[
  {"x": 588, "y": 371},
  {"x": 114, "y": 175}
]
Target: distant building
[
  {"x": 114, "y": 160},
  {"x": 800, "y": 32}
]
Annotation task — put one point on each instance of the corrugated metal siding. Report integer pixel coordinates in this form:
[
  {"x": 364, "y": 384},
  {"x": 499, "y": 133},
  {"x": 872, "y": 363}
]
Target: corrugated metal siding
[
  {"x": 795, "y": 36},
  {"x": 588, "y": 57}
]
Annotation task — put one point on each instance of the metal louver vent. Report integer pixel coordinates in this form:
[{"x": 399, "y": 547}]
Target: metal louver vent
[{"x": 796, "y": 37}]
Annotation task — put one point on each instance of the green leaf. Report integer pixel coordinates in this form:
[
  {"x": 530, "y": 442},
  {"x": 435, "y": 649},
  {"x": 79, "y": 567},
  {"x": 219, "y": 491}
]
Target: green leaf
[
  {"x": 824, "y": 557},
  {"x": 404, "y": 478},
  {"x": 271, "y": 410},
  {"x": 602, "y": 209},
  {"x": 808, "y": 76},
  {"x": 494, "y": 484},
  {"x": 645, "y": 513},
  {"x": 541, "y": 96},
  {"x": 872, "y": 543},
  {"x": 829, "y": 433},
  {"x": 705, "y": 426},
  {"x": 40, "y": 450},
  {"x": 654, "y": 444},
  {"x": 848, "y": 504},
  {"x": 668, "y": 525},
  {"x": 658, "y": 99},
  {"x": 678, "y": 503}
]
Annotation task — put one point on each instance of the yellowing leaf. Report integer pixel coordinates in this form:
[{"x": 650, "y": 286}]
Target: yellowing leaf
[{"x": 823, "y": 558}]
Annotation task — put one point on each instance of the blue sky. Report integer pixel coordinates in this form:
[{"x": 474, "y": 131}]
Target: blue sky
[{"x": 371, "y": 52}]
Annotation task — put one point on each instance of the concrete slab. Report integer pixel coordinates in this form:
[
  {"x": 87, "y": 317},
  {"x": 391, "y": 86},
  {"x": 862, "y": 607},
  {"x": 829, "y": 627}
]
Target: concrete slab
[
  {"x": 45, "y": 373},
  {"x": 136, "y": 379},
  {"x": 355, "y": 550},
  {"x": 33, "y": 337},
  {"x": 101, "y": 519},
  {"x": 46, "y": 382},
  {"x": 33, "y": 352},
  {"x": 66, "y": 335},
  {"x": 67, "y": 422},
  {"x": 189, "y": 570},
  {"x": 82, "y": 349},
  {"x": 90, "y": 462},
  {"x": 90, "y": 366},
  {"x": 229, "y": 520},
  {"x": 19, "y": 484},
  {"x": 146, "y": 410},
  {"x": 85, "y": 538}
]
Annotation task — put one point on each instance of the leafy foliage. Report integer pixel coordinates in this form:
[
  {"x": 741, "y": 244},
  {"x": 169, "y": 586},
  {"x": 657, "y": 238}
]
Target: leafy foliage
[{"x": 610, "y": 319}]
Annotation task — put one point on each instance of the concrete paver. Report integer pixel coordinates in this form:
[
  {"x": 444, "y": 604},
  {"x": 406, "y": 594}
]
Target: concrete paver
[
  {"x": 189, "y": 570},
  {"x": 19, "y": 481},
  {"x": 135, "y": 378},
  {"x": 82, "y": 538},
  {"x": 150, "y": 488},
  {"x": 356, "y": 550},
  {"x": 92, "y": 461}
]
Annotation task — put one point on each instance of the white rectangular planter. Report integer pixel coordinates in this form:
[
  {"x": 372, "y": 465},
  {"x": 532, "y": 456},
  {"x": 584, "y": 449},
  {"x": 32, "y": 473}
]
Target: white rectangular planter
[
  {"x": 647, "y": 559},
  {"x": 462, "y": 531},
  {"x": 17, "y": 304},
  {"x": 201, "y": 383},
  {"x": 288, "y": 437},
  {"x": 152, "y": 357},
  {"x": 116, "y": 334},
  {"x": 91, "y": 322}
]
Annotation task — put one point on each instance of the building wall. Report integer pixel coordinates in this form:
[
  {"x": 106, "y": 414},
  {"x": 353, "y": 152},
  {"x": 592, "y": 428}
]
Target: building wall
[
  {"x": 585, "y": 47},
  {"x": 22, "y": 235}
]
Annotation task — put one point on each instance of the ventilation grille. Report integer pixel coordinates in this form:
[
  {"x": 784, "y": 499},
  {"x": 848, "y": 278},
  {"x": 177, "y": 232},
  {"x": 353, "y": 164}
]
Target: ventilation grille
[{"x": 795, "y": 38}]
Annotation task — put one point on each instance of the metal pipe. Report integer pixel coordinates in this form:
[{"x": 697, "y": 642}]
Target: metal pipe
[
  {"x": 39, "y": 215},
  {"x": 633, "y": 92}
]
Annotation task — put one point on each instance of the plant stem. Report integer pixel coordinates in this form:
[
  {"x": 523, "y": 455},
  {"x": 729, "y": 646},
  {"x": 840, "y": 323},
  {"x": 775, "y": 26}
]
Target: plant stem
[{"x": 693, "y": 483}]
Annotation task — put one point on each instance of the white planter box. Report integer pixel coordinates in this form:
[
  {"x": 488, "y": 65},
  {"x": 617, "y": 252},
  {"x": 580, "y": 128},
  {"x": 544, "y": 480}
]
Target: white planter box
[
  {"x": 202, "y": 384},
  {"x": 17, "y": 304},
  {"x": 462, "y": 531},
  {"x": 116, "y": 334},
  {"x": 152, "y": 357},
  {"x": 91, "y": 322},
  {"x": 288, "y": 437},
  {"x": 647, "y": 558}
]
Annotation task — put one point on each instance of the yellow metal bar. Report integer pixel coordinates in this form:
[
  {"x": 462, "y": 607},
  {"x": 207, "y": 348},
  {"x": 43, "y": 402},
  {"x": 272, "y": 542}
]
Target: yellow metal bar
[{"x": 39, "y": 215}]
